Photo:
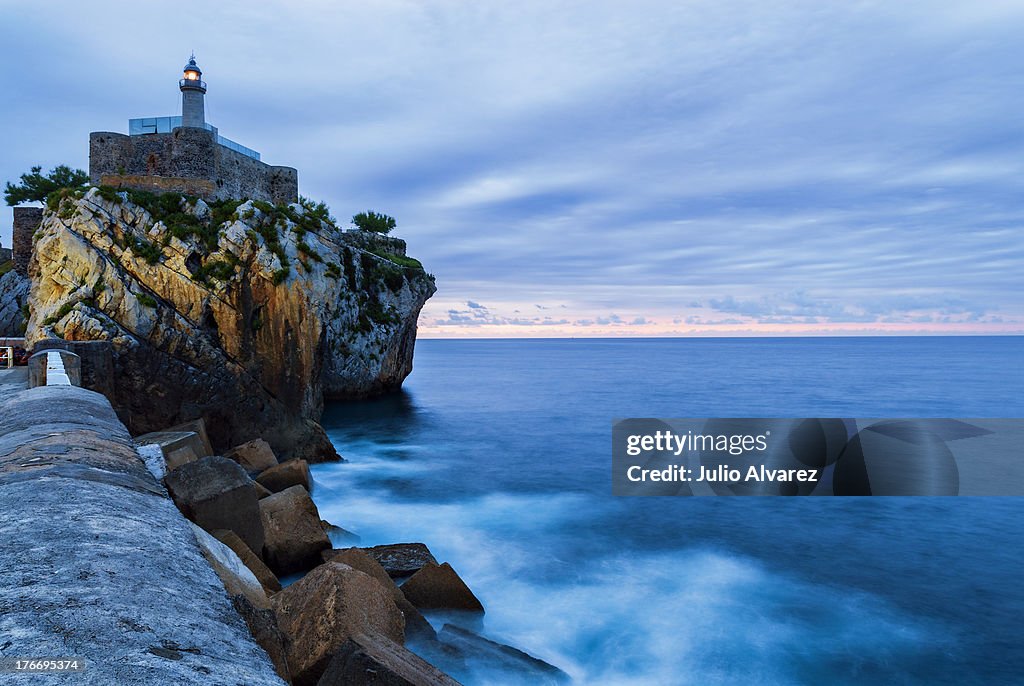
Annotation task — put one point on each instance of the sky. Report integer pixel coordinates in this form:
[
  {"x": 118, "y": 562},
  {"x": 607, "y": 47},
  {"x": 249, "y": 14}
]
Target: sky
[{"x": 598, "y": 168}]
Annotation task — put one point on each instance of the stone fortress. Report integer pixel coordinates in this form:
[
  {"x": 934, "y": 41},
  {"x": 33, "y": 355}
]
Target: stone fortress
[
  {"x": 187, "y": 155},
  {"x": 182, "y": 154}
]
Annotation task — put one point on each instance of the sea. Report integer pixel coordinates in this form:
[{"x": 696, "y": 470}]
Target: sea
[{"x": 497, "y": 455}]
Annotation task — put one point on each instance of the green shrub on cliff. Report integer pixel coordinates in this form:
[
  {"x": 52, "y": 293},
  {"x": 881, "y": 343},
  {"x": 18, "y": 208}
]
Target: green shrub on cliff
[
  {"x": 36, "y": 187},
  {"x": 222, "y": 270},
  {"x": 372, "y": 221},
  {"x": 318, "y": 210}
]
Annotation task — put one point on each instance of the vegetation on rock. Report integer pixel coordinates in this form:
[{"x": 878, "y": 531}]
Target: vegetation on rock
[{"x": 37, "y": 187}]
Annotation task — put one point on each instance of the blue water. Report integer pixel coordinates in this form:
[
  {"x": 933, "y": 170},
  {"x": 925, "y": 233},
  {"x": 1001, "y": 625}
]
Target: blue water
[{"x": 497, "y": 455}]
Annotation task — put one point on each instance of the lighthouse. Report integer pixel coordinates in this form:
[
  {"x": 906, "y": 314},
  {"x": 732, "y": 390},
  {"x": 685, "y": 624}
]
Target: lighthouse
[{"x": 193, "y": 94}]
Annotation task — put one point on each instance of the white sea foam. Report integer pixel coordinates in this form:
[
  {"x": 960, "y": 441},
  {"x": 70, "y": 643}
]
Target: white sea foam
[{"x": 695, "y": 616}]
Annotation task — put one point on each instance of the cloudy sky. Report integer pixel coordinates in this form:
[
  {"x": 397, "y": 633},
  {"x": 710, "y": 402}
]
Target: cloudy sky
[{"x": 599, "y": 168}]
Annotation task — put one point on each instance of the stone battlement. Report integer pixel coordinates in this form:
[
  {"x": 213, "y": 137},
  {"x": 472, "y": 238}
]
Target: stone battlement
[{"x": 187, "y": 160}]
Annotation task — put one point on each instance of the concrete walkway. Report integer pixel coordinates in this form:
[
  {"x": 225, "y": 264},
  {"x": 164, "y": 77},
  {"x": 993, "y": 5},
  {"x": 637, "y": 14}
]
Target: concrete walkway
[{"x": 97, "y": 563}]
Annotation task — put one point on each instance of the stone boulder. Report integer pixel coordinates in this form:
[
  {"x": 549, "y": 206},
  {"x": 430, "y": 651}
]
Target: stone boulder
[
  {"x": 262, "y": 623},
  {"x": 255, "y": 456},
  {"x": 294, "y": 538},
  {"x": 14, "y": 290},
  {"x": 215, "y": 493},
  {"x": 487, "y": 655},
  {"x": 286, "y": 475},
  {"x": 376, "y": 660},
  {"x": 401, "y": 559},
  {"x": 236, "y": 577},
  {"x": 262, "y": 573},
  {"x": 324, "y": 609},
  {"x": 439, "y": 587},
  {"x": 416, "y": 625}
]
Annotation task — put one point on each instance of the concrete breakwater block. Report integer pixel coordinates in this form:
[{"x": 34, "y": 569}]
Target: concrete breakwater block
[
  {"x": 216, "y": 493},
  {"x": 439, "y": 587},
  {"x": 294, "y": 537},
  {"x": 366, "y": 659},
  {"x": 415, "y": 623},
  {"x": 325, "y": 608},
  {"x": 255, "y": 456},
  {"x": 178, "y": 447},
  {"x": 401, "y": 559},
  {"x": 286, "y": 475},
  {"x": 249, "y": 558}
]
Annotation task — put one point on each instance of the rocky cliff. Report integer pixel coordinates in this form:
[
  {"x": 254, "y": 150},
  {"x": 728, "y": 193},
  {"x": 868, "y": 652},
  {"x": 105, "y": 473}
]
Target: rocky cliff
[
  {"x": 13, "y": 297},
  {"x": 246, "y": 314}
]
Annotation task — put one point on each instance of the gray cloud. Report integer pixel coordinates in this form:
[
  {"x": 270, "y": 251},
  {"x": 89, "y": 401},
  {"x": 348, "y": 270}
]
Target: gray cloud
[{"x": 778, "y": 161}]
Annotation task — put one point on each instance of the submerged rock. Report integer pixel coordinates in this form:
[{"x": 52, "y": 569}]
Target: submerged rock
[
  {"x": 339, "y": 535},
  {"x": 247, "y": 317},
  {"x": 480, "y": 652}
]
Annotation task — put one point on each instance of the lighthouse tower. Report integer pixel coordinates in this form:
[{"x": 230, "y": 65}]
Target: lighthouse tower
[{"x": 193, "y": 95}]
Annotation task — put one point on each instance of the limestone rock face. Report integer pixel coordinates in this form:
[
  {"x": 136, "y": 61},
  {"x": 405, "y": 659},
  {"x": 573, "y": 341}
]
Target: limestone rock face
[
  {"x": 245, "y": 317},
  {"x": 14, "y": 289},
  {"x": 325, "y": 608}
]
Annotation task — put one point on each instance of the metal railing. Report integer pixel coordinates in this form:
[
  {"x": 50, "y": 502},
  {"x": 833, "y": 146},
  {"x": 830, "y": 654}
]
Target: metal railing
[{"x": 192, "y": 83}]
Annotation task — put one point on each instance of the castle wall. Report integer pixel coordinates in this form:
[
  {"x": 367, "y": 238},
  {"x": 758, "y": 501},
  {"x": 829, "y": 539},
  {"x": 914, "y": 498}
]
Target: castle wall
[
  {"x": 240, "y": 176},
  {"x": 187, "y": 160},
  {"x": 201, "y": 188},
  {"x": 26, "y": 221}
]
